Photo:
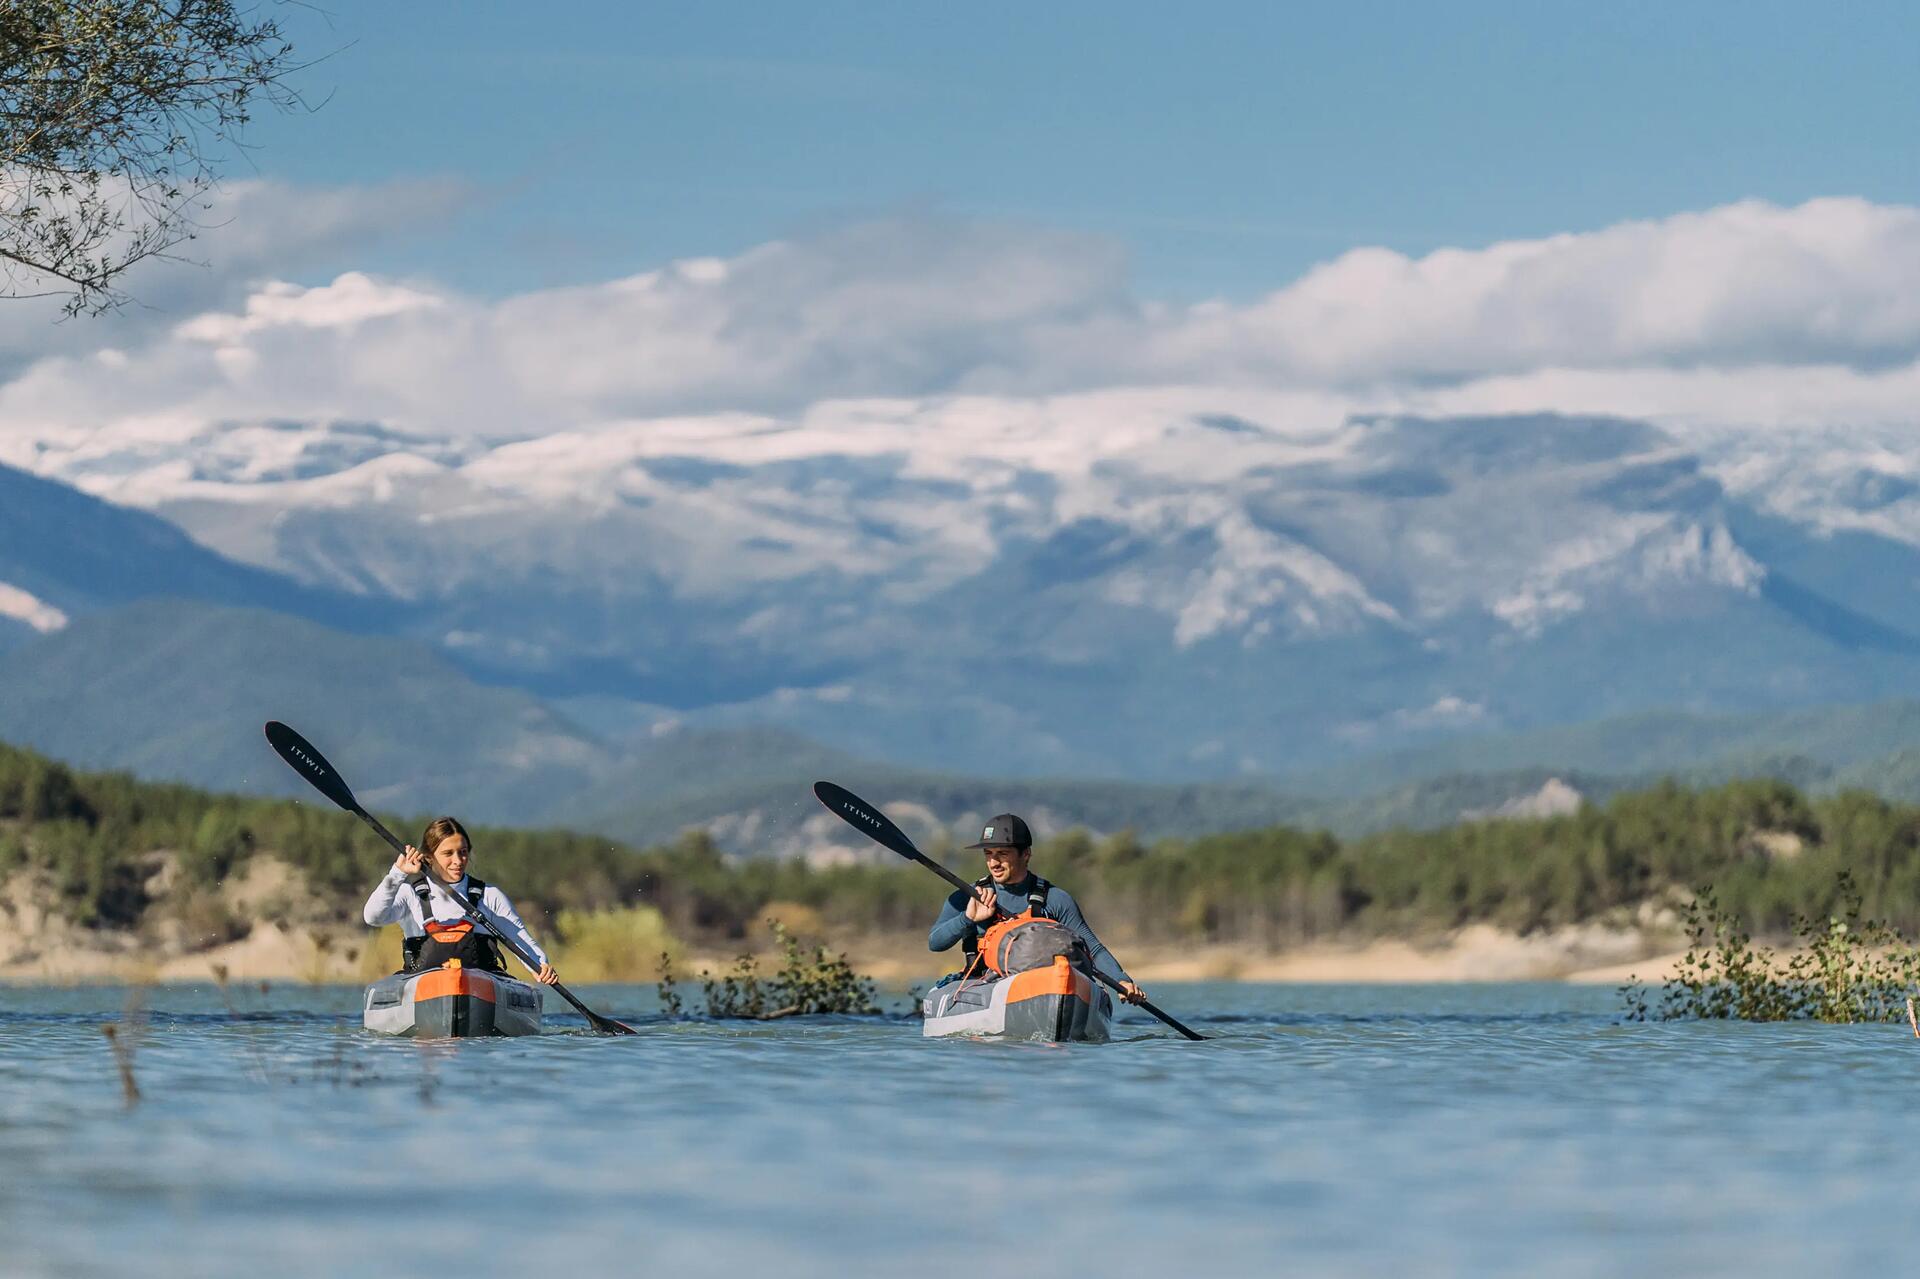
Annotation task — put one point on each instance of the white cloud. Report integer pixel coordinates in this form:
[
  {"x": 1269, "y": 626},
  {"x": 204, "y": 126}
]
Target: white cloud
[
  {"x": 1748, "y": 313},
  {"x": 1444, "y": 712},
  {"x": 251, "y": 231},
  {"x": 1827, "y": 282},
  {"x": 346, "y": 302},
  {"x": 895, "y": 307},
  {"x": 23, "y": 606}
]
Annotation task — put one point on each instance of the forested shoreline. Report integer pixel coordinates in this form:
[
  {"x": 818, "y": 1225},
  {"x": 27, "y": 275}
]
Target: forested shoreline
[{"x": 1770, "y": 852}]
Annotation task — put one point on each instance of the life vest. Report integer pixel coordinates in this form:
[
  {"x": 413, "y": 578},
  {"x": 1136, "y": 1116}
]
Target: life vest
[
  {"x": 1030, "y": 939},
  {"x": 444, "y": 940}
]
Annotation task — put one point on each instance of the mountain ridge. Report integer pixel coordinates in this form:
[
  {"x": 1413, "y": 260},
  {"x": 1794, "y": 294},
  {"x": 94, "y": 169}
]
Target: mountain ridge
[{"x": 1107, "y": 591}]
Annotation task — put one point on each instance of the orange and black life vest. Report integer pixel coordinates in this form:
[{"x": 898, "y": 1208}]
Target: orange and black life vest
[
  {"x": 459, "y": 939},
  {"x": 1036, "y": 908}
]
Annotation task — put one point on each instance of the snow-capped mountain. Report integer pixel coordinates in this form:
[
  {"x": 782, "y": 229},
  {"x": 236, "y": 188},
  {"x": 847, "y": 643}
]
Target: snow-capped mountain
[
  {"x": 64, "y": 552},
  {"x": 1172, "y": 582}
]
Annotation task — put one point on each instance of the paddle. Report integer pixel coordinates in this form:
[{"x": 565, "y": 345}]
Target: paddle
[
  {"x": 873, "y": 823},
  {"x": 305, "y": 760}
]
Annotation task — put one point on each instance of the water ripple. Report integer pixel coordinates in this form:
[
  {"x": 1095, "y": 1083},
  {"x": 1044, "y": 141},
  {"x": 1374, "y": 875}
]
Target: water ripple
[{"x": 1447, "y": 1130}]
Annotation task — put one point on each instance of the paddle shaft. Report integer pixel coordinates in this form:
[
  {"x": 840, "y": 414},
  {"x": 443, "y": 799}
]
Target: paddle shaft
[
  {"x": 326, "y": 779},
  {"x": 865, "y": 817}
]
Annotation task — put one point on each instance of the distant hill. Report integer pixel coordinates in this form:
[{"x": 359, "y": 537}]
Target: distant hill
[
  {"x": 775, "y": 814},
  {"x": 1809, "y": 746},
  {"x": 177, "y": 690},
  {"x": 739, "y": 783}
]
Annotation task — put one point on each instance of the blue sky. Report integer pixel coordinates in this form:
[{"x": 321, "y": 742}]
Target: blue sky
[
  {"x": 1226, "y": 149},
  {"x": 1691, "y": 214}
]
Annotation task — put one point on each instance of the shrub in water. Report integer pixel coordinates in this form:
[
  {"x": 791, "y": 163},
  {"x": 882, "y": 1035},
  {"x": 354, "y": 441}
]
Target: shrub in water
[
  {"x": 1845, "y": 969},
  {"x": 669, "y": 995},
  {"x": 806, "y": 983}
]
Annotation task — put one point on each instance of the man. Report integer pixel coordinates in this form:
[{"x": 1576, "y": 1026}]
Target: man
[{"x": 1008, "y": 846}]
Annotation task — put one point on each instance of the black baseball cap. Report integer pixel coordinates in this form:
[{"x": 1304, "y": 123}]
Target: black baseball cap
[{"x": 1005, "y": 831}]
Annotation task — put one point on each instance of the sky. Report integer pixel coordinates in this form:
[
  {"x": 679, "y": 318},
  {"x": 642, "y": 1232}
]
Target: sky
[
  {"x": 1226, "y": 149},
  {"x": 502, "y": 221}
]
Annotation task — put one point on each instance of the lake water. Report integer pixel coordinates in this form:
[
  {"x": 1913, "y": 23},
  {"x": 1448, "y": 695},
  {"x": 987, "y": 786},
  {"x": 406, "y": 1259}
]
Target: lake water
[{"x": 1322, "y": 1130}]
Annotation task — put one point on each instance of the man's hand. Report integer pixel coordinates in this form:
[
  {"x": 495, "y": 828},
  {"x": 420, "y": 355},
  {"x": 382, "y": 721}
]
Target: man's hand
[
  {"x": 408, "y": 863},
  {"x": 984, "y": 905},
  {"x": 546, "y": 976},
  {"x": 1132, "y": 993}
]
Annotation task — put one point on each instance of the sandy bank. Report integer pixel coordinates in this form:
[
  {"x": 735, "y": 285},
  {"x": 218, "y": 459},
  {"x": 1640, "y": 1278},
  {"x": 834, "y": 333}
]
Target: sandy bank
[
  {"x": 281, "y": 936},
  {"x": 275, "y": 952}
]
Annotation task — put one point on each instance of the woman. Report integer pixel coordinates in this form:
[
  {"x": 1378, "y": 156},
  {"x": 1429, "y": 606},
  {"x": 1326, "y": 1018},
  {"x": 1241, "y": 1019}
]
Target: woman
[{"x": 435, "y": 927}]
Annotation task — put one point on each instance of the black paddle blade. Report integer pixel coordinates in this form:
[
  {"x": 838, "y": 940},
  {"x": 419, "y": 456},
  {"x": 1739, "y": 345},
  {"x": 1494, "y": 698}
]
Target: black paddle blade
[
  {"x": 873, "y": 823},
  {"x": 602, "y": 1025},
  {"x": 867, "y": 819},
  {"x": 307, "y": 761}
]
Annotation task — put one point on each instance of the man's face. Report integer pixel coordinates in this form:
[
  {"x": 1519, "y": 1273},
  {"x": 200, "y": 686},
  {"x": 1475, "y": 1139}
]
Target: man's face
[{"x": 1007, "y": 865}]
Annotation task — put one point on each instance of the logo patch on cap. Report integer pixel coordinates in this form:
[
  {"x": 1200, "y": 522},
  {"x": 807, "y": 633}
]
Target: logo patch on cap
[{"x": 987, "y": 833}]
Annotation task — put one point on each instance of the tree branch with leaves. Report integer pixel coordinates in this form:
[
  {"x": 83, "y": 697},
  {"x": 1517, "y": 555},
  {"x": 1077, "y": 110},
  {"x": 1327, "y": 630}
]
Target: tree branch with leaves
[{"x": 114, "y": 116}]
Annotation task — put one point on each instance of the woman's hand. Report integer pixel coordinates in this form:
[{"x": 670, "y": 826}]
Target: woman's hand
[
  {"x": 408, "y": 863},
  {"x": 983, "y": 906},
  {"x": 546, "y": 976}
]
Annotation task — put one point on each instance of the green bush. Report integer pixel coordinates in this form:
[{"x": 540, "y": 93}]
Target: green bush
[
  {"x": 628, "y": 944},
  {"x": 809, "y": 982},
  {"x": 1847, "y": 968}
]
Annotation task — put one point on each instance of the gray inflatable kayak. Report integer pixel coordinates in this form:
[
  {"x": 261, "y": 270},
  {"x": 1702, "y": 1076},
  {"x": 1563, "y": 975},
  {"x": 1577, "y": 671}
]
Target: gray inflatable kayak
[
  {"x": 1054, "y": 1004},
  {"x": 452, "y": 1003}
]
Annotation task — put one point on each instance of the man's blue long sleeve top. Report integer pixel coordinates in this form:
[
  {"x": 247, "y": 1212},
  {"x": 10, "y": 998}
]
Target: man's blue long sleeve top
[{"x": 953, "y": 924}]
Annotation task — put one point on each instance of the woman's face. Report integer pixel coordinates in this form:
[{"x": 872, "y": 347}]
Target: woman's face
[{"x": 449, "y": 858}]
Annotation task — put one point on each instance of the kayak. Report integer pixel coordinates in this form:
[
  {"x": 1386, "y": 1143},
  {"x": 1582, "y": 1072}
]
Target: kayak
[
  {"x": 1056, "y": 1004},
  {"x": 452, "y": 1003}
]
